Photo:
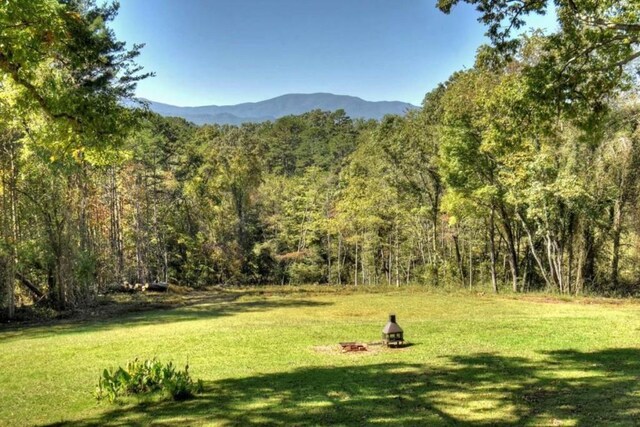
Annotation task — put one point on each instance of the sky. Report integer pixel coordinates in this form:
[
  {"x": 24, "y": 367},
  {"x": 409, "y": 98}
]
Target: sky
[{"x": 225, "y": 52}]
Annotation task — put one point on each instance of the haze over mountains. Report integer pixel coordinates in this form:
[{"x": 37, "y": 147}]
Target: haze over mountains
[{"x": 291, "y": 104}]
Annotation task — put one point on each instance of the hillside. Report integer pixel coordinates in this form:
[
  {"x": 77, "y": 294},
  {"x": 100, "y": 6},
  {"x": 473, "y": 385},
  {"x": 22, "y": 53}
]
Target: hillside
[{"x": 270, "y": 109}]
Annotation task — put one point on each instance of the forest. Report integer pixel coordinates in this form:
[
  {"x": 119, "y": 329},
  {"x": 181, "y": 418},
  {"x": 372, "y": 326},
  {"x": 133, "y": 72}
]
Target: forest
[{"x": 518, "y": 174}]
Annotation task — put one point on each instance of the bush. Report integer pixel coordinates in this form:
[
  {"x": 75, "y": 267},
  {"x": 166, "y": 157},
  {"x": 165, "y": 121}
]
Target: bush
[
  {"x": 305, "y": 272},
  {"x": 147, "y": 377}
]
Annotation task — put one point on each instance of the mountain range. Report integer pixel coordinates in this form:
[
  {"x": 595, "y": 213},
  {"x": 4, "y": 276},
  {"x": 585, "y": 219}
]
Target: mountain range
[{"x": 290, "y": 104}]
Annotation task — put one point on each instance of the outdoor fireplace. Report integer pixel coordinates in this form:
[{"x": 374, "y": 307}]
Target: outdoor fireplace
[{"x": 392, "y": 334}]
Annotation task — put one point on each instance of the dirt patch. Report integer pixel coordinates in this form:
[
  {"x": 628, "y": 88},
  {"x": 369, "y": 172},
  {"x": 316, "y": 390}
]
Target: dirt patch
[
  {"x": 336, "y": 349},
  {"x": 372, "y": 348}
]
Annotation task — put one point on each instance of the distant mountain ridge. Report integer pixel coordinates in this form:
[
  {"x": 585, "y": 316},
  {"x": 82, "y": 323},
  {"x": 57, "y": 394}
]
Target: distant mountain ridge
[{"x": 274, "y": 108}]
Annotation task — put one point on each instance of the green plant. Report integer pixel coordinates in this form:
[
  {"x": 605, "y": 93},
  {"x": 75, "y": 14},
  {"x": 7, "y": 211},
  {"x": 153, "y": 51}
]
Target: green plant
[
  {"x": 178, "y": 384},
  {"x": 146, "y": 377}
]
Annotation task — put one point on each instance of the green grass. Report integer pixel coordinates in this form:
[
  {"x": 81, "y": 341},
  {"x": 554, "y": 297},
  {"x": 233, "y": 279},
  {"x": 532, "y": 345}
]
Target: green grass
[{"x": 267, "y": 358}]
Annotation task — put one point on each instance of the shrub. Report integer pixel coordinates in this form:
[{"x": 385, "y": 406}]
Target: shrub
[
  {"x": 147, "y": 377},
  {"x": 305, "y": 272}
]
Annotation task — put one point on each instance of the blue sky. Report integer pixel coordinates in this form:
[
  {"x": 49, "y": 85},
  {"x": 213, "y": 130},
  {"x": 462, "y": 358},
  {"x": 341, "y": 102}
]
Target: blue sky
[{"x": 230, "y": 51}]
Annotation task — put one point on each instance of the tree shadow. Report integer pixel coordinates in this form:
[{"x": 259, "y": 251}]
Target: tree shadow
[
  {"x": 137, "y": 311},
  {"x": 563, "y": 388}
]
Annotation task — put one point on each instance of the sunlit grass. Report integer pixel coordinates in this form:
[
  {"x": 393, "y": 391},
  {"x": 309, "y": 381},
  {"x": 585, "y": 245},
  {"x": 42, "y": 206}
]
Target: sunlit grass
[{"x": 266, "y": 357}]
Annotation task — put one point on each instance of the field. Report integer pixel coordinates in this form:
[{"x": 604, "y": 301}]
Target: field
[{"x": 269, "y": 356}]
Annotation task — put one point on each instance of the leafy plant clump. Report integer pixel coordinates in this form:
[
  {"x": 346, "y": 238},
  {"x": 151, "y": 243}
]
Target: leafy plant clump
[{"x": 147, "y": 377}]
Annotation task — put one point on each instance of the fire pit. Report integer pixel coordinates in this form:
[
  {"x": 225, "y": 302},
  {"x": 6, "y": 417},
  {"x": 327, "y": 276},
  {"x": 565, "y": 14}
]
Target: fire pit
[
  {"x": 353, "y": 346},
  {"x": 392, "y": 334}
]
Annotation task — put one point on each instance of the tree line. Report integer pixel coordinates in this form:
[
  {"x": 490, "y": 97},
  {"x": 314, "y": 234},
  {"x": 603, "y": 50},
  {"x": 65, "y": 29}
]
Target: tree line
[{"x": 519, "y": 173}]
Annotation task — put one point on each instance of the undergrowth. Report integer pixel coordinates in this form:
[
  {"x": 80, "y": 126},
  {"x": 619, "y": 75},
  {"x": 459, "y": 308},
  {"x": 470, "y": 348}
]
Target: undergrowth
[{"x": 147, "y": 377}]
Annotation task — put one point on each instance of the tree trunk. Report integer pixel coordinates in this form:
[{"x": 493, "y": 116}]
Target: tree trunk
[
  {"x": 434, "y": 218},
  {"x": 615, "y": 256},
  {"x": 339, "y": 260},
  {"x": 355, "y": 265},
  {"x": 328, "y": 257},
  {"x": 459, "y": 258},
  {"x": 141, "y": 236},
  {"x": 470, "y": 265},
  {"x": 492, "y": 251},
  {"x": 12, "y": 232},
  {"x": 589, "y": 265},
  {"x": 511, "y": 247},
  {"x": 397, "y": 250},
  {"x": 115, "y": 230}
]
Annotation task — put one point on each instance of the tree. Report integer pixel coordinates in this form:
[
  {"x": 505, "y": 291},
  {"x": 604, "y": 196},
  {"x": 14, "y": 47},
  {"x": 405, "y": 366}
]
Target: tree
[
  {"x": 68, "y": 66},
  {"x": 222, "y": 195},
  {"x": 64, "y": 77},
  {"x": 608, "y": 29},
  {"x": 582, "y": 64}
]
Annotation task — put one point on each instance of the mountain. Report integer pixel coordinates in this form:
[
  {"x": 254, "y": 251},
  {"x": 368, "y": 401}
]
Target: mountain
[{"x": 280, "y": 106}]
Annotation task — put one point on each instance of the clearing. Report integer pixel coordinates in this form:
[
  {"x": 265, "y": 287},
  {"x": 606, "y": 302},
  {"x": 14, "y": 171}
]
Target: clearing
[{"x": 268, "y": 356}]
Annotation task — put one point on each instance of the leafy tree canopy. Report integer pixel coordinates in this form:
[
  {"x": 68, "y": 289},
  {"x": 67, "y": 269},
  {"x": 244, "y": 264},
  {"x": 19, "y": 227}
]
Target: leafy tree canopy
[
  {"x": 62, "y": 61},
  {"x": 585, "y": 62}
]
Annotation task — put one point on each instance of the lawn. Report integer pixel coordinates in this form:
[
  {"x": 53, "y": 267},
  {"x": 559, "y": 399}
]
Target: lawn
[{"x": 269, "y": 357}]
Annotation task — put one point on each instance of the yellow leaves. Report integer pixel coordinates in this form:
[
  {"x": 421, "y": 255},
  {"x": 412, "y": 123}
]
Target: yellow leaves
[
  {"x": 78, "y": 154},
  {"x": 75, "y": 15}
]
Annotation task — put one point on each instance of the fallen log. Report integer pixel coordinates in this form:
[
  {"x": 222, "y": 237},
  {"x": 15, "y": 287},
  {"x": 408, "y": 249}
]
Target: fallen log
[
  {"x": 127, "y": 287},
  {"x": 30, "y": 286},
  {"x": 158, "y": 287}
]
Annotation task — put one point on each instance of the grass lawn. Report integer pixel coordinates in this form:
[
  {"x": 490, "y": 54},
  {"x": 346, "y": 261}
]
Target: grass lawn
[{"x": 269, "y": 357}]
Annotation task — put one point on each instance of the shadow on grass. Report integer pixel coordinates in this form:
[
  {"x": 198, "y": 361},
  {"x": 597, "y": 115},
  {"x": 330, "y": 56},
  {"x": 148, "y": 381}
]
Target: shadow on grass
[
  {"x": 565, "y": 388},
  {"x": 161, "y": 308}
]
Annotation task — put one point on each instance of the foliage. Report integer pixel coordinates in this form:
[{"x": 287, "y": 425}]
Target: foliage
[
  {"x": 64, "y": 78},
  {"x": 67, "y": 67},
  {"x": 518, "y": 173},
  {"x": 581, "y": 66},
  {"x": 140, "y": 377},
  {"x": 591, "y": 30}
]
